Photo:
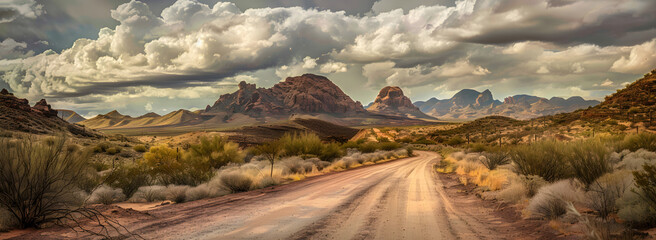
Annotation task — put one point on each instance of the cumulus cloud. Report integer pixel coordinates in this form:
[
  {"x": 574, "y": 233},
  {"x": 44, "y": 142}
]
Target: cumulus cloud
[
  {"x": 183, "y": 52},
  {"x": 10, "y": 49},
  {"x": 12, "y": 9}
]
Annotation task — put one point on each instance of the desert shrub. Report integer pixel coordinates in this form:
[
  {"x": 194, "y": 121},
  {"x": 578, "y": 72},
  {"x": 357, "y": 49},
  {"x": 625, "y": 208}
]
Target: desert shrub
[
  {"x": 424, "y": 141},
  {"x": 140, "y": 148},
  {"x": 102, "y": 147},
  {"x": 404, "y": 140},
  {"x": 236, "y": 182},
  {"x": 368, "y": 147},
  {"x": 217, "y": 151},
  {"x": 645, "y": 181},
  {"x": 113, "y": 150},
  {"x": 129, "y": 178},
  {"x": 170, "y": 166},
  {"x": 545, "y": 159},
  {"x": 455, "y": 140},
  {"x": 551, "y": 201},
  {"x": 589, "y": 160},
  {"x": 39, "y": 181},
  {"x": 532, "y": 184},
  {"x": 635, "y": 211},
  {"x": 149, "y": 194},
  {"x": 297, "y": 165},
  {"x": 201, "y": 192},
  {"x": 389, "y": 146},
  {"x": 634, "y": 160},
  {"x": 99, "y": 165},
  {"x": 515, "y": 192},
  {"x": 410, "y": 151},
  {"x": 477, "y": 147},
  {"x": 303, "y": 143},
  {"x": 177, "y": 193},
  {"x": 106, "y": 195},
  {"x": 642, "y": 140},
  {"x": 603, "y": 193},
  {"x": 330, "y": 151},
  {"x": 350, "y": 144},
  {"x": 491, "y": 160}
]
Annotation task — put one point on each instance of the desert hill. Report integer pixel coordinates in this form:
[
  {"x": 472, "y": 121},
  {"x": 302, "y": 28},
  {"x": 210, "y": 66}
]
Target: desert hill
[
  {"x": 327, "y": 131},
  {"x": 392, "y": 101},
  {"x": 114, "y": 119},
  {"x": 634, "y": 103},
  {"x": 471, "y": 104},
  {"x": 69, "y": 115},
  {"x": 17, "y": 115}
]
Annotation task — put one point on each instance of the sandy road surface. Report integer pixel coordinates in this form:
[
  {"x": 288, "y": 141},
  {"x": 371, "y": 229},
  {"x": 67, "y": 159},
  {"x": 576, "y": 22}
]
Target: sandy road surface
[{"x": 402, "y": 199}]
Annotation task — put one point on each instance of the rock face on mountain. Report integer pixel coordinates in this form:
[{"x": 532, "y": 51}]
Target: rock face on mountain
[
  {"x": 471, "y": 104},
  {"x": 636, "y": 103},
  {"x": 303, "y": 94},
  {"x": 392, "y": 101},
  {"x": 17, "y": 115},
  {"x": 70, "y": 116}
]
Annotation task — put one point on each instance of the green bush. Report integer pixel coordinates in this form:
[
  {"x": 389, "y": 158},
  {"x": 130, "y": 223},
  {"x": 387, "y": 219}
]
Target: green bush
[
  {"x": 39, "y": 181},
  {"x": 113, "y": 150},
  {"x": 411, "y": 151},
  {"x": 646, "y": 182},
  {"x": 129, "y": 178},
  {"x": 330, "y": 152},
  {"x": 389, "y": 146},
  {"x": 140, "y": 148},
  {"x": 304, "y": 143},
  {"x": 368, "y": 147},
  {"x": 455, "y": 140},
  {"x": 172, "y": 166},
  {"x": 643, "y": 140},
  {"x": 350, "y": 144},
  {"x": 217, "y": 151},
  {"x": 477, "y": 147},
  {"x": 545, "y": 159},
  {"x": 589, "y": 160},
  {"x": 424, "y": 141}
]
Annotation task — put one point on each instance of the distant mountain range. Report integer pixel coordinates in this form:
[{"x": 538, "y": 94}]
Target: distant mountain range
[
  {"x": 470, "y": 104},
  {"x": 317, "y": 97}
]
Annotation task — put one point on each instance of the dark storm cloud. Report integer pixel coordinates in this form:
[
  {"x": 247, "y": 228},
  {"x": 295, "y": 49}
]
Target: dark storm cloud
[{"x": 560, "y": 22}]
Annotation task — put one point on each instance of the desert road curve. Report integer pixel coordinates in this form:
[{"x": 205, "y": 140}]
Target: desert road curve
[{"x": 401, "y": 199}]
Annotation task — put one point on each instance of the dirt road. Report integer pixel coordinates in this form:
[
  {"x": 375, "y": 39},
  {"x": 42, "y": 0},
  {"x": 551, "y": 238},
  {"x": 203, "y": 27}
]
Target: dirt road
[{"x": 402, "y": 199}]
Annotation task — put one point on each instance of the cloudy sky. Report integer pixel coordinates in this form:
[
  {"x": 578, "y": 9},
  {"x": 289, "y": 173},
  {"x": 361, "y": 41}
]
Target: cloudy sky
[{"x": 94, "y": 56}]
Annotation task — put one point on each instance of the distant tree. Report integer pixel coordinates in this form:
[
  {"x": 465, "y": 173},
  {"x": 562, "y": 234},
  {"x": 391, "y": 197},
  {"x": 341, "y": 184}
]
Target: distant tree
[{"x": 271, "y": 151}]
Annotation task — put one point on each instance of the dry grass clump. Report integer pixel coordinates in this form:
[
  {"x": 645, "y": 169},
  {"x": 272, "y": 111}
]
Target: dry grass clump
[
  {"x": 149, "y": 194},
  {"x": 177, "y": 194},
  {"x": 634, "y": 160},
  {"x": 551, "y": 201},
  {"x": 106, "y": 195},
  {"x": 236, "y": 181}
]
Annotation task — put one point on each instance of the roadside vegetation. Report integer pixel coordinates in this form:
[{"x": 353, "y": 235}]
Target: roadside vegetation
[
  {"x": 607, "y": 184},
  {"x": 55, "y": 180}
]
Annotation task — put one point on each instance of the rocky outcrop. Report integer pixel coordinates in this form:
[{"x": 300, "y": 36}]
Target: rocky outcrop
[
  {"x": 70, "y": 116},
  {"x": 392, "y": 101},
  {"x": 471, "y": 104},
  {"x": 17, "y": 115},
  {"x": 45, "y": 108},
  {"x": 303, "y": 94}
]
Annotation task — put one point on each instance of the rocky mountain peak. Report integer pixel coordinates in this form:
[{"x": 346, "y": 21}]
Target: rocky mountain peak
[
  {"x": 45, "y": 108},
  {"x": 485, "y": 98},
  {"x": 5, "y": 92},
  {"x": 392, "y": 101},
  {"x": 308, "y": 93}
]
